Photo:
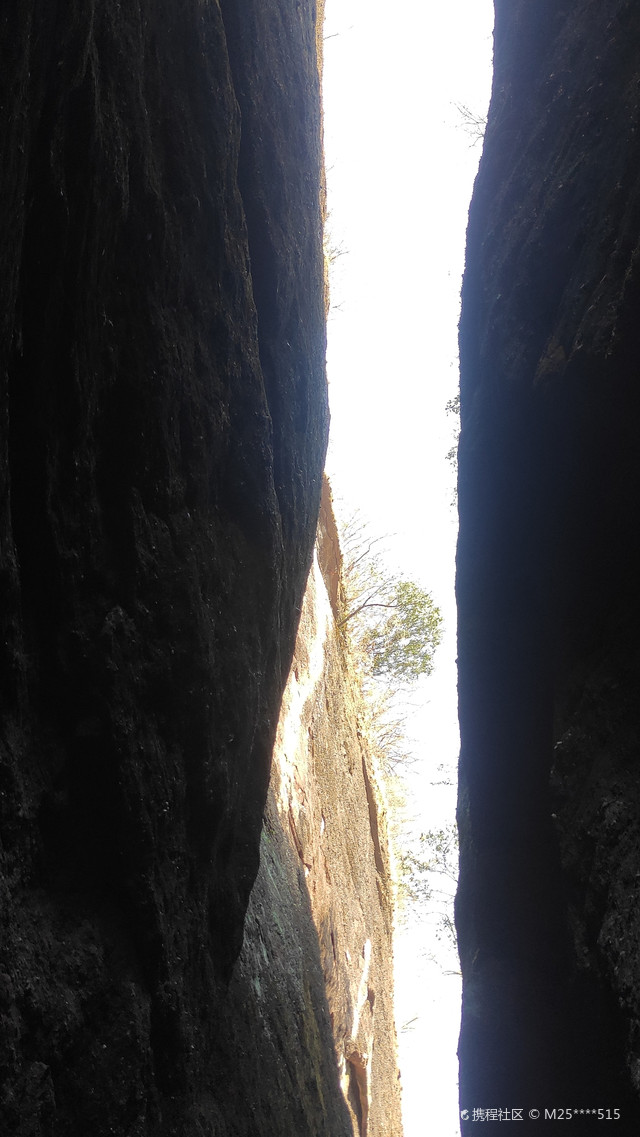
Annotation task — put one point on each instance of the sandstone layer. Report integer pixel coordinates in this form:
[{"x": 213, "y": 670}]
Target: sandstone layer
[
  {"x": 329, "y": 797},
  {"x": 308, "y": 1018}
]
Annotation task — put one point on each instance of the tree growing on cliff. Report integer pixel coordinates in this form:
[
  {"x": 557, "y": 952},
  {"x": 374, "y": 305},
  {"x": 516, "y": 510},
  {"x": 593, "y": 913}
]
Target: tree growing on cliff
[
  {"x": 473, "y": 123},
  {"x": 396, "y": 624},
  {"x": 428, "y": 875},
  {"x": 435, "y": 856},
  {"x": 395, "y": 627},
  {"x": 401, "y": 640},
  {"x": 453, "y": 408}
]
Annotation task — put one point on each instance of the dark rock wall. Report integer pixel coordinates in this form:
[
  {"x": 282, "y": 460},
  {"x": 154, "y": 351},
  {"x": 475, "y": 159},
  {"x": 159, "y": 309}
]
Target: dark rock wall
[
  {"x": 548, "y": 564},
  {"x": 163, "y": 427}
]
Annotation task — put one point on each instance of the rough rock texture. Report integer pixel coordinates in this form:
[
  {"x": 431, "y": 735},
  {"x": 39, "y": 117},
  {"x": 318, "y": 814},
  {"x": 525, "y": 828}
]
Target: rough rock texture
[
  {"x": 307, "y": 1040},
  {"x": 331, "y": 806},
  {"x": 163, "y": 427},
  {"x": 548, "y": 564}
]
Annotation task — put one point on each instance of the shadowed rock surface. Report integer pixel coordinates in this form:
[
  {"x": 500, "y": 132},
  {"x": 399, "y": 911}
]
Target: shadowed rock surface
[
  {"x": 548, "y": 565},
  {"x": 163, "y": 417}
]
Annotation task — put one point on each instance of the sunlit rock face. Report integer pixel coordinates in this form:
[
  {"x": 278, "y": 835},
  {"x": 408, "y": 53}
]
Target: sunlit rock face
[
  {"x": 309, "y": 1041},
  {"x": 331, "y": 804},
  {"x": 163, "y": 411},
  {"x": 548, "y": 563},
  {"x": 317, "y": 960}
]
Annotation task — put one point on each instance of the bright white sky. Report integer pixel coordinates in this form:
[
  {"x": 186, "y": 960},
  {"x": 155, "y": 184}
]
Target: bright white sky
[{"x": 400, "y": 171}]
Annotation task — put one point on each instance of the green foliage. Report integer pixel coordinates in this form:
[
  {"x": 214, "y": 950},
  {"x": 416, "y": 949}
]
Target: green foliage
[
  {"x": 437, "y": 854},
  {"x": 453, "y": 408},
  {"x": 395, "y": 623},
  {"x": 428, "y": 876},
  {"x": 401, "y": 642},
  {"x": 395, "y": 627}
]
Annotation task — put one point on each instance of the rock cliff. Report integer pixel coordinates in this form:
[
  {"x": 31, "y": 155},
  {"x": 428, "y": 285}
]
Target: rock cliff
[
  {"x": 316, "y": 969},
  {"x": 164, "y": 421},
  {"x": 548, "y": 563}
]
